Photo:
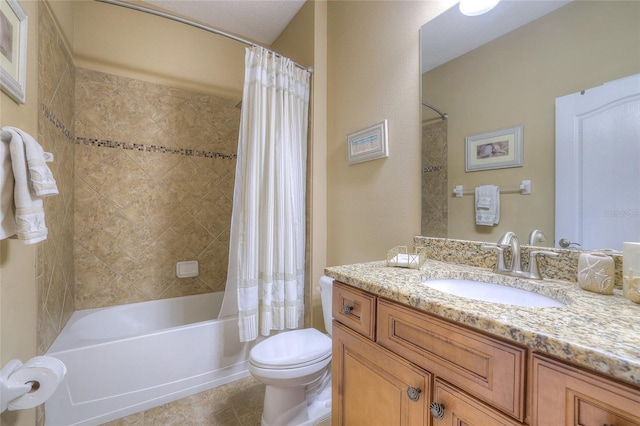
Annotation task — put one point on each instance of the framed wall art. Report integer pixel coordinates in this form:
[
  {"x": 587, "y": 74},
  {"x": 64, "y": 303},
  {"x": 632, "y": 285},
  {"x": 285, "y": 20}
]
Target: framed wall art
[
  {"x": 368, "y": 144},
  {"x": 13, "y": 49},
  {"x": 494, "y": 150}
]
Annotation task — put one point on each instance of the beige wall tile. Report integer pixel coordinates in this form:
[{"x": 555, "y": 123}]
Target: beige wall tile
[
  {"x": 55, "y": 281},
  {"x": 141, "y": 209}
]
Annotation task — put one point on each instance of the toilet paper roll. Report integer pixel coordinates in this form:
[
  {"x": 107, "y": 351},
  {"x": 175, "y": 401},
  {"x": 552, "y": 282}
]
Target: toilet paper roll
[
  {"x": 596, "y": 273},
  {"x": 44, "y": 373}
]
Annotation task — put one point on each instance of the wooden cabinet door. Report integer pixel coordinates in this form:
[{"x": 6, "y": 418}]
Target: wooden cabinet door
[
  {"x": 565, "y": 395},
  {"x": 370, "y": 384},
  {"x": 460, "y": 409}
]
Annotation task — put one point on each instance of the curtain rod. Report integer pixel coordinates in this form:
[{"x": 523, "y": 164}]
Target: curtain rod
[
  {"x": 444, "y": 115},
  {"x": 196, "y": 25}
]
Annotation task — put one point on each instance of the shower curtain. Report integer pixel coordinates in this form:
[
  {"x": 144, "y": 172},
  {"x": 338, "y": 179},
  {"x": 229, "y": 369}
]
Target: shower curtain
[{"x": 267, "y": 247}]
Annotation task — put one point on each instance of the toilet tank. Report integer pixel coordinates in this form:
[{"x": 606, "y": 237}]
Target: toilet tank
[{"x": 326, "y": 286}]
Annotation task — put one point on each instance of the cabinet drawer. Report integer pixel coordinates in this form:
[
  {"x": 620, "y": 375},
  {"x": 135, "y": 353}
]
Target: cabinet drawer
[
  {"x": 565, "y": 395},
  {"x": 490, "y": 369},
  {"x": 355, "y": 309},
  {"x": 461, "y": 409}
]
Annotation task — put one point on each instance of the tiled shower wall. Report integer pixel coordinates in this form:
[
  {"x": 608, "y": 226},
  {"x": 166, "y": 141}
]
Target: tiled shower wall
[
  {"x": 434, "y": 179},
  {"x": 55, "y": 279},
  {"x": 54, "y": 264},
  {"x": 153, "y": 186}
]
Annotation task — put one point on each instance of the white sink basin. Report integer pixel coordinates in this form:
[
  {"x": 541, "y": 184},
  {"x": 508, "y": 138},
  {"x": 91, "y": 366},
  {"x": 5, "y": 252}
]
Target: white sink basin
[{"x": 490, "y": 292}]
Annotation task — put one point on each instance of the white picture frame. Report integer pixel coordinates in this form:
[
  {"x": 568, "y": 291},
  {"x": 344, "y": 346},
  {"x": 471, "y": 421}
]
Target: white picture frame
[
  {"x": 368, "y": 144},
  {"x": 494, "y": 150},
  {"x": 13, "y": 50}
]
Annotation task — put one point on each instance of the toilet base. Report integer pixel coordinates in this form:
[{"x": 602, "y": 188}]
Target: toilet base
[{"x": 301, "y": 410}]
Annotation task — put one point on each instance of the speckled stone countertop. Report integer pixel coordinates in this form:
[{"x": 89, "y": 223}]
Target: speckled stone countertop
[{"x": 598, "y": 332}]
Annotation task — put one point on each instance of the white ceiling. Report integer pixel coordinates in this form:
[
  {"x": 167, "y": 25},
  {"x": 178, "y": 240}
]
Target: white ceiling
[
  {"x": 260, "y": 21},
  {"x": 452, "y": 34},
  {"x": 446, "y": 37}
]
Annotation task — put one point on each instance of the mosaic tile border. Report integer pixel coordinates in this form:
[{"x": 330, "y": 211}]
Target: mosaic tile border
[
  {"x": 49, "y": 115},
  {"x": 432, "y": 169},
  {"x": 153, "y": 148}
]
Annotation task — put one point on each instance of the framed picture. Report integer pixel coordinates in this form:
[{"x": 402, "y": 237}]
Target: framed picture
[
  {"x": 13, "y": 49},
  {"x": 494, "y": 150},
  {"x": 368, "y": 144}
]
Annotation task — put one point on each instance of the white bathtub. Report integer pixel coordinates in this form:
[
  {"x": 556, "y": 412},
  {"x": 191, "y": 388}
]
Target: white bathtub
[{"x": 125, "y": 359}]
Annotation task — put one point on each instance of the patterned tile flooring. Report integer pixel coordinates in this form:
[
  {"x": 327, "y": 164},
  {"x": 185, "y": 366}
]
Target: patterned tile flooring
[{"x": 236, "y": 404}]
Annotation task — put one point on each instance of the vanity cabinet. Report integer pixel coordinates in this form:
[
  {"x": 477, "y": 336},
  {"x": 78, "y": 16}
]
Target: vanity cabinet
[
  {"x": 565, "y": 395},
  {"x": 394, "y": 365},
  {"x": 390, "y": 362}
]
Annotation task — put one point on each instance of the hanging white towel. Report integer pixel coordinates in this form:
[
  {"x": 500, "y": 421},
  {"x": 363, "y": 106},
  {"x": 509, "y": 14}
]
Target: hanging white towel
[
  {"x": 40, "y": 177},
  {"x": 26, "y": 206},
  {"x": 7, "y": 216},
  {"x": 487, "y": 205}
]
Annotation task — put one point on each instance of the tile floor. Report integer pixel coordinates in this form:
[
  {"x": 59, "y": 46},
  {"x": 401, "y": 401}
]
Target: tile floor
[{"x": 236, "y": 404}]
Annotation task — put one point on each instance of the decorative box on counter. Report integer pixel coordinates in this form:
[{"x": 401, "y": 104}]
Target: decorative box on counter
[{"x": 399, "y": 257}]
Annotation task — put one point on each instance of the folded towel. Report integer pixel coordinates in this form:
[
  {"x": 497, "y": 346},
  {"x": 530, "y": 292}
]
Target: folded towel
[
  {"x": 487, "y": 205},
  {"x": 400, "y": 259},
  {"x": 42, "y": 182},
  {"x": 7, "y": 216},
  {"x": 28, "y": 208}
]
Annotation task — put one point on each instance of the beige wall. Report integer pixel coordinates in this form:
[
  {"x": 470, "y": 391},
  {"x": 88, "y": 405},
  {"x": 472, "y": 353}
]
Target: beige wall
[
  {"x": 63, "y": 14},
  {"x": 132, "y": 44},
  {"x": 373, "y": 74},
  {"x": 304, "y": 40},
  {"x": 17, "y": 261},
  {"x": 515, "y": 81},
  {"x": 318, "y": 186}
]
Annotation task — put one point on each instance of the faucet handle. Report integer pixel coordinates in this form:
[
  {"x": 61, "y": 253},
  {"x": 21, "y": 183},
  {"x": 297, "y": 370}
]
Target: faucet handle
[
  {"x": 534, "y": 270},
  {"x": 500, "y": 262},
  {"x": 536, "y": 236}
]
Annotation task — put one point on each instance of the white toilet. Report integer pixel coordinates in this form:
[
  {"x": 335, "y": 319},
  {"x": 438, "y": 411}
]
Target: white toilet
[{"x": 296, "y": 367}]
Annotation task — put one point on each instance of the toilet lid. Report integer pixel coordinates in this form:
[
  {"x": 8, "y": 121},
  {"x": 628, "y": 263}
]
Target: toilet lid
[{"x": 291, "y": 348}]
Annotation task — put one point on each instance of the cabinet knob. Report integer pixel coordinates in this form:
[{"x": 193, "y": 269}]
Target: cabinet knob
[
  {"x": 347, "y": 309},
  {"x": 414, "y": 393},
  {"x": 437, "y": 410}
]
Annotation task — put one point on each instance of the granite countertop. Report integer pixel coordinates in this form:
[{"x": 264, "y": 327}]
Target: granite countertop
[{"x": 598, "y": 332}]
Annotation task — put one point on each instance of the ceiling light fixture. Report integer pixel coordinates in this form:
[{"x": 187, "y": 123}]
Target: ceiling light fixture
[{"x": 476, "y": 7}]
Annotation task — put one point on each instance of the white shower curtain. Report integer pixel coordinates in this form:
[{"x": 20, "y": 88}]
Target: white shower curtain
[{"x": 267, "y": 246}]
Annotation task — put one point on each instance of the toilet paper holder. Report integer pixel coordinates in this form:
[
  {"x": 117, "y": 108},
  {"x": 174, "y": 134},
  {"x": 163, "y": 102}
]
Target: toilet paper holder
[{"x": 8, "y": 391}]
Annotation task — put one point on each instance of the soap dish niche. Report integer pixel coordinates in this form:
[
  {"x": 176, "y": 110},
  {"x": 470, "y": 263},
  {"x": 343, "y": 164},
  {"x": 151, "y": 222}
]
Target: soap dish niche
[
  {"x": 399, "y": 257},
  {"x": 187, "y": 269}
]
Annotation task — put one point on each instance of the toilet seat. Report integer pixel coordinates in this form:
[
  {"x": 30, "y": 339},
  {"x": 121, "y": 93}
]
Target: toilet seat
[{"x": 291, "y": 349}]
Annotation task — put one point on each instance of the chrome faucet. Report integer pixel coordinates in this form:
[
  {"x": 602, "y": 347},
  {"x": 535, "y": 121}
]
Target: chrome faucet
[{"x": 510, "y": 240}]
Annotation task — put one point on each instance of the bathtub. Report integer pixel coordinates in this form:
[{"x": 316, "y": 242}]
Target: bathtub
[{"x": 125, "y": 359}]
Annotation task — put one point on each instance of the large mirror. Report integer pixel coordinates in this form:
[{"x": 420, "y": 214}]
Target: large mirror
[{"x": 511, "y": 77}]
